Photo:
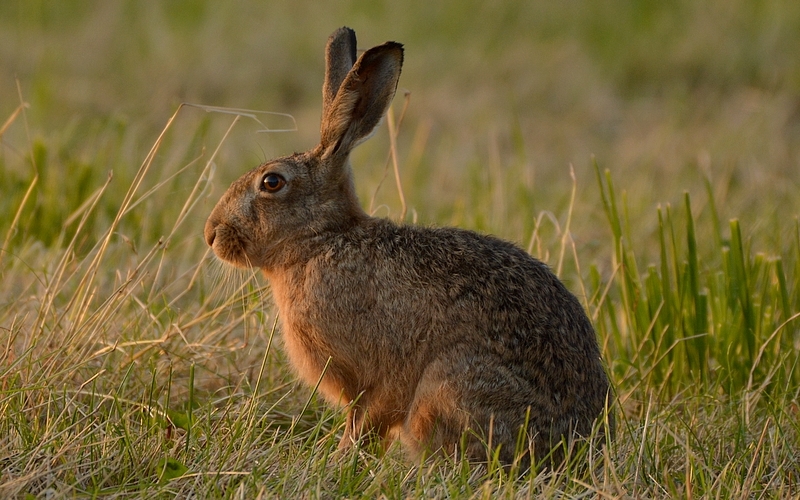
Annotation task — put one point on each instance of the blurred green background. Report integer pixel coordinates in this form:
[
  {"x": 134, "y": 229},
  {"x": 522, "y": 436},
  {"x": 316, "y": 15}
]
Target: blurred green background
[
  {"x": 696, "y": 316},
  {"x": 504, "y": 97}
]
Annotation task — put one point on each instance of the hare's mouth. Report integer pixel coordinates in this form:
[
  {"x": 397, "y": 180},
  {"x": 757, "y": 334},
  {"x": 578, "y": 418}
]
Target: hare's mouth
[{"x": 228, "y": 245}]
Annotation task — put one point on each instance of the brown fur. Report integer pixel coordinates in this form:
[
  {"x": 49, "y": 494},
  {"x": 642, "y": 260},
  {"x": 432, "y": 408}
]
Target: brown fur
[{"x": 426, "y": 332}]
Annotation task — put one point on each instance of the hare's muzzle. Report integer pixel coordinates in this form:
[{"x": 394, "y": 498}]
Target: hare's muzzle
[{"x": 210, "y": 232}]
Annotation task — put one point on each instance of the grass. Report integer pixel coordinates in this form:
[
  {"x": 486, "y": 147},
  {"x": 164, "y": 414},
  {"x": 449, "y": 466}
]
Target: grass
[{"x": 133, "y": 364}]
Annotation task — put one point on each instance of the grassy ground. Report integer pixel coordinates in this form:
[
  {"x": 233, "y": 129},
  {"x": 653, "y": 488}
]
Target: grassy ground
[{"x": 133, "y": 364}]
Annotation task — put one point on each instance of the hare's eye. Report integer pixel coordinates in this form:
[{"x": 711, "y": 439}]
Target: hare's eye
[{"x": 272, "y": 183}]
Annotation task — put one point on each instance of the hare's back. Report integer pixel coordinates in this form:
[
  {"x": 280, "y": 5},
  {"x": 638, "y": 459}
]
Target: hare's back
[{"x": 492, "y": 283}]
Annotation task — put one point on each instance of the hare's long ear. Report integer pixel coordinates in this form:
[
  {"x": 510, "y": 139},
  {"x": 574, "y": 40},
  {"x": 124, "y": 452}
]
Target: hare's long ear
[
  {"x": 361, "y": 100},
  {"x": 340, "y": 55}
]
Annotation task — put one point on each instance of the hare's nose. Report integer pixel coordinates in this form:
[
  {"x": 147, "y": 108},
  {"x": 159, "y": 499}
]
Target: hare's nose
[{"x": 210, "y": 232}]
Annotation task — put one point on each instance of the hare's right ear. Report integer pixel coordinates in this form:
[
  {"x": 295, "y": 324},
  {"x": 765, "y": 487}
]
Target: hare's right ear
[{"x": 363, "y": 96}]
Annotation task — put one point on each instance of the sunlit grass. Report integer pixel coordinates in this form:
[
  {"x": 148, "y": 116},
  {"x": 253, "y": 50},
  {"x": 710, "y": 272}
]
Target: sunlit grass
[{"x": 133, "y": 371}]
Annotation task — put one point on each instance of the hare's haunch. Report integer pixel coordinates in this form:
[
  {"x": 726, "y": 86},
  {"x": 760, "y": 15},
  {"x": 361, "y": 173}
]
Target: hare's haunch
[{"x": 429, "y": 335}]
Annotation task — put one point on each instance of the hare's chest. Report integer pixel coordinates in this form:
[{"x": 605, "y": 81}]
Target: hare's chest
[
  {"x": 314, "y": 362},
  {"x": 307, "y": 346}
]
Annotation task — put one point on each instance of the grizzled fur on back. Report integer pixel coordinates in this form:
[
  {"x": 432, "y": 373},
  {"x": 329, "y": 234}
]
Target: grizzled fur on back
[{"x": 426, "y": 333}]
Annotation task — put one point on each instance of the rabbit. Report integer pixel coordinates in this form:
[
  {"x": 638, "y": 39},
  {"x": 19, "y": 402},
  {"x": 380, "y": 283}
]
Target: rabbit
[{"x": 440, "y": 338}]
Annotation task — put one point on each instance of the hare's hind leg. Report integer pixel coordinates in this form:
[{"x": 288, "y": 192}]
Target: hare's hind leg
[
  {"x": 435, "y": 422},
  {"x": 475, "y": 406}
]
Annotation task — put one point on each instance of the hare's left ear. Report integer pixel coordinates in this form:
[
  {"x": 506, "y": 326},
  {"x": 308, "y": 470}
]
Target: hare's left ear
[
  {"x": 340, "y": 55},
  {"x": 362, "y": 98}
]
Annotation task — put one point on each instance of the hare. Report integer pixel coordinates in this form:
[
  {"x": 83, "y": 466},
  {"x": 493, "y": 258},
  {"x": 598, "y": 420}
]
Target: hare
[{"x": 441, "y": 338}]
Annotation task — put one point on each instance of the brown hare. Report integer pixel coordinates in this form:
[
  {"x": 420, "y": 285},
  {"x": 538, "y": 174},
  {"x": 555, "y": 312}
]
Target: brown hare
[{"x": 440, "y": 337}]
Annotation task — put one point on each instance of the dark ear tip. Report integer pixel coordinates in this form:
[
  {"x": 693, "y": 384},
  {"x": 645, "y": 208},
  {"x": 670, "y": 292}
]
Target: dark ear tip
[
  {"x": 344, "y": 31},
  {"x": 399, "y": 47},
  {"x": 395, "y": 47}
]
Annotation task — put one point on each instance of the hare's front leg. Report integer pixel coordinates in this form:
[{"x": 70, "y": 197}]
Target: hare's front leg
[
  {"x": 353, "y": 427},
  {"x": 364, "y": 425}
]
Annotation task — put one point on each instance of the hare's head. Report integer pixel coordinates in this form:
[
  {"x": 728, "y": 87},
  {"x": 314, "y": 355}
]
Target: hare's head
[{"x": 267, "y": 217}]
